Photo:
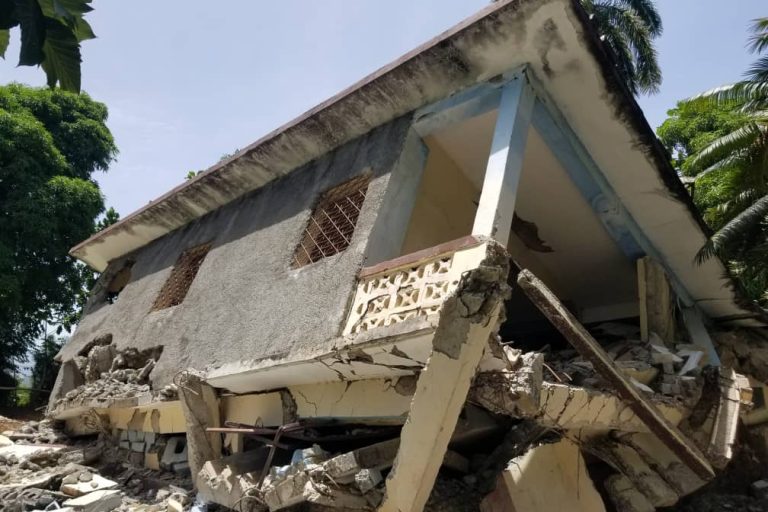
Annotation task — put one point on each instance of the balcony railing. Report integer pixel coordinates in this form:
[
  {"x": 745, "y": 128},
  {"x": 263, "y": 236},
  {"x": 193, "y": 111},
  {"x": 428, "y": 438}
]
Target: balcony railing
[{"x": 411, "y": 286}]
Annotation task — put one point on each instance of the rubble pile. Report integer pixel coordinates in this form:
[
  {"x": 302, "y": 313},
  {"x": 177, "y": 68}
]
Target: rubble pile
[
  {"x": 671, "y": 370},
  {"x": 43, "y": 469},
  {"x": 744, "y": 350},
  {"x": 107, "y": 373}
]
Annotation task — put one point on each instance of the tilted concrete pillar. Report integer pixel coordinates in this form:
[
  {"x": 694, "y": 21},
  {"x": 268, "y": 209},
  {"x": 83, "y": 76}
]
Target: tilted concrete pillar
[{"x": 467, "y": 319}]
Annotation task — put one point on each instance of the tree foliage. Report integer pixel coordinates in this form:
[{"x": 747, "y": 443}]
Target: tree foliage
[
  {"x": 51, "y": 143},
  {"x": 51, "y": 32},
  {"x": 629, "y": 27},
  {"x": 729, "y": 158}
]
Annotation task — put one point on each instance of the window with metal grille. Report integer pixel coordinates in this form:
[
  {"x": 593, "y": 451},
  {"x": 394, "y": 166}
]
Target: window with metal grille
[
  {"x": 332, "y": 223},
  {"x": 183, "y": 273}
]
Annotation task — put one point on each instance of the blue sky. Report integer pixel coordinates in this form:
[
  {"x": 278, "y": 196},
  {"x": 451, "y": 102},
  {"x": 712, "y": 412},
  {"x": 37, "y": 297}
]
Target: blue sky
[{"x": 185, "y": 83}]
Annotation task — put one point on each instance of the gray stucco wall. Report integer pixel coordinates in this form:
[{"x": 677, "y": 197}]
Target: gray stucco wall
[{"x": 246, "y": 302}]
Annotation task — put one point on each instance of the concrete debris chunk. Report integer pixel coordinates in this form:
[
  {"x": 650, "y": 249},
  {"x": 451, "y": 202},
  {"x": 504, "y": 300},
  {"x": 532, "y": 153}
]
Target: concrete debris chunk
[
  {"x": 723, "y": 437},
  {"x": 94, "y": 483},
  {"x": 548, "y": 477},
  {"x": 96, "y": 501},
  {"x": 344, "y": 467},
  {"x": 367, "y": 479},
  {"x": 625, "y": 496},
  {"x": 515, "y": 392},
  {"x": 660, "y": 354},
  {"x": 632, "y": 465}
]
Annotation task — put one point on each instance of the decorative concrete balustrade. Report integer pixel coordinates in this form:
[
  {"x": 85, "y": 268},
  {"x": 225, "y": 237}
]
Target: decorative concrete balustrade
[{"x": 414, "y": 285}]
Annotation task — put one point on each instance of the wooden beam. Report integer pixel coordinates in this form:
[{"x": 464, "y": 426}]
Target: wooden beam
[
  {"x": 591, "y": 350},
  {"x": 657, "y": 301},
  {"x": 505, "y": 163}
]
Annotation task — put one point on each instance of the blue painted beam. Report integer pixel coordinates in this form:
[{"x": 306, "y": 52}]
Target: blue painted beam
[
  {"x": 576, "y": 160},
  {"x": 604, "y": 203},
  {"x": 470, "y": 103},
  {"x": 474, "y": 101}
]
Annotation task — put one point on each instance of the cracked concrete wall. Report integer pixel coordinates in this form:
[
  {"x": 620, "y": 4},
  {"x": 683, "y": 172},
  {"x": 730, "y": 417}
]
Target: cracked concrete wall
[{"x": 246, "y": 303}]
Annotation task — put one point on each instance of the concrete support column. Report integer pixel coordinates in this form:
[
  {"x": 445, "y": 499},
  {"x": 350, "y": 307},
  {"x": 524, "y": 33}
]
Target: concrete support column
[
  {"x": 467, "y": 319},
  {"x": 505, "y": 163},
  {"x": 201, "y": 411}
]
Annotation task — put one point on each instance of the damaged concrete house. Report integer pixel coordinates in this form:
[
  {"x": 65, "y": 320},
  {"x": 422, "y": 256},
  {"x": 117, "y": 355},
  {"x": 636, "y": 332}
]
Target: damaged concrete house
[{"x": 467, "y": 282}]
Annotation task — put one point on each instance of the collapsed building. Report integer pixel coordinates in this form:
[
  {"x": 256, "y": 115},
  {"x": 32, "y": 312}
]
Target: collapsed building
[{"x": 467, "y": 282}]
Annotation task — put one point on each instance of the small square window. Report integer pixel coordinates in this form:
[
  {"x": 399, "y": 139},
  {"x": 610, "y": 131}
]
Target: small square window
[
  {"x": 332, "y": 223},
  {"x": 183, "y": 273}
]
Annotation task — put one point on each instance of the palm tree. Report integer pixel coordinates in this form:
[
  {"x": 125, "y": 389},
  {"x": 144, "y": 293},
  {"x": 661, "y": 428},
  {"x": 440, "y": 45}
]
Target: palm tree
[
  {"x": 629, "y": 27},
  {"x": 740, "y": 161}
]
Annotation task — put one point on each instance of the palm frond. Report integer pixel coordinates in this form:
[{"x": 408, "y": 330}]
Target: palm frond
[
  {"x": 759, "y": 41},
  {"x": 624, "y": 59},
  {"x": 734, "y": 231},
  {"x": 759, "y": 70},
  {"x": 751, "y": 95},
  {"x": 627, "y": 25},
  {"x": 647, "y": 12},
  {"x": 726, "y": 148}
]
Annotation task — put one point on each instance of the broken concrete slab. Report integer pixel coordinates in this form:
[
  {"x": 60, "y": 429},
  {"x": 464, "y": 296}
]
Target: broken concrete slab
[
  {"x": 590, "y": 349},
  {"x": 344, "y": 467},
  {"x": 573, "y": 408},
  {"x": 625, "y": 496},
  {"x": 515, "y": 392},
  {"x": 96, "y": 483},
  {"x": 225, "y": 480},
  {"x": 663, "y": 462},
  {"x": 723, "y": 438},
  {"x": 548, "y": 477},
  {"x": 96, "y": 501},
  {"x": 22, "y": 451},
  {"x": 633, "y": 466}
]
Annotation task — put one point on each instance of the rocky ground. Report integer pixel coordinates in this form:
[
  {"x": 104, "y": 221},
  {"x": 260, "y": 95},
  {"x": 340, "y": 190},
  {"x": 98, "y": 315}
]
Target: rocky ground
[{"x": 43, "y": 469}]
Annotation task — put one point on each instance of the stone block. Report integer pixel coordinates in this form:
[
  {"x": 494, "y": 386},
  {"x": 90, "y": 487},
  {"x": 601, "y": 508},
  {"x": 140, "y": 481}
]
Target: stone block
[
  {"x": 138, "y": 446},
  {"x": 152, "y": 460},
  {"x": 136, "y": 458},
  {"x": 135, "y": 435},
  {"x": 175, "y": 451}
]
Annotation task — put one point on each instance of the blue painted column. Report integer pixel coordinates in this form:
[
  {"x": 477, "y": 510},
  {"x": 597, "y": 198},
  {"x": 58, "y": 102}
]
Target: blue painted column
[{"x": 505, "y": 163}]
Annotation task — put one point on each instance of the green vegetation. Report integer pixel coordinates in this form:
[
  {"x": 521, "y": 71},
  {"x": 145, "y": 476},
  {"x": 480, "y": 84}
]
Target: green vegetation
[
  {"x": 721, "y": 138},
  {"x": 45, "y": 369},
  {"x": 629, "y": 28},
  {"x": 51, "y": 143},
  {"x": 51, "y": 32}
]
